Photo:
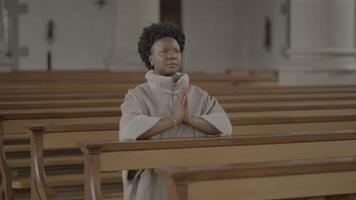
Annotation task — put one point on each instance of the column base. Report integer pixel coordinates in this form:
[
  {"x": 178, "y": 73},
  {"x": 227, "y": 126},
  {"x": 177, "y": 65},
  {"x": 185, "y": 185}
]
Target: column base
[{"x": 304, "y": 74}]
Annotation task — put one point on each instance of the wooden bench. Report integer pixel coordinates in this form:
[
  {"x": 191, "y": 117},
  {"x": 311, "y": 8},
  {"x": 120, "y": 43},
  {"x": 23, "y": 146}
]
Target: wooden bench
[
  {"x": 221, "y": 98},
  {"x": 242, "y": 93},
  {"x": 245, "y": 75},
  {"x": 102, "y": 82},
  {"x": 73, "y": 137},
  {"x": 19, "y": 101},
  {"x": 61, "y": 137},
  {"x": 262, "y": 180},
  {"x": 13, "y": 114},
  {"x": 228, "y": 106},
  {"x": 20, "y": 120},
  {"x": 243, "y": 123},
  {"x": 213, "y": 88},
  {"x": 115, "y": 156}
]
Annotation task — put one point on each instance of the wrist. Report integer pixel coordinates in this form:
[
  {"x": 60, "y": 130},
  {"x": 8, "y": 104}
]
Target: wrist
[{"x": 191, "y": 120}]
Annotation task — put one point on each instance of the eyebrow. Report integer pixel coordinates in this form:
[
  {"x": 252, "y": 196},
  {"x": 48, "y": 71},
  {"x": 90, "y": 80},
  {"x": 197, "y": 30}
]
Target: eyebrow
[{"x": 175, "y": 48}]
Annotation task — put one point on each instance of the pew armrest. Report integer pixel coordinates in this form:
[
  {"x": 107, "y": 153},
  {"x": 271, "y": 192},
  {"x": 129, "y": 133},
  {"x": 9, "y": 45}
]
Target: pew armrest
[
  {"x": 5, "y": 172},
  {"x": 39, "y": 186},
  {"x": 92, "y": 184}
]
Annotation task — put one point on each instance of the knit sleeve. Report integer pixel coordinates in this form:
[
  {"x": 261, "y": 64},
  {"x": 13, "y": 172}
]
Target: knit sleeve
[
  {"x": 213, "y": 113},
  {"x": 134, "y": 120}
]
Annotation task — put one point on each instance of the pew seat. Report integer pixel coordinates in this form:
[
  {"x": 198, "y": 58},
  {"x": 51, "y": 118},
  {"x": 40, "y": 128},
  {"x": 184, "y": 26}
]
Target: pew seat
[
  {"x": 48, "y": 161},
  {"x": 66, "y": 179},
  {"x": 110, "y": 196}
]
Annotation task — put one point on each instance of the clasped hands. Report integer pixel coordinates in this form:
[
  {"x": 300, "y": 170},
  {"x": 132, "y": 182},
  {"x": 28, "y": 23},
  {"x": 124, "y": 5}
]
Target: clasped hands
[{"x": 182, "y": 115}]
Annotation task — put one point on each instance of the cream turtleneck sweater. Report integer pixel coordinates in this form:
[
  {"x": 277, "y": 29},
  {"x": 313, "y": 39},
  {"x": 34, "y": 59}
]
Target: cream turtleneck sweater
[{"x": 158, "y": 98}]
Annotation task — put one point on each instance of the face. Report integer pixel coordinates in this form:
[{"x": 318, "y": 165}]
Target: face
[{"x": 166, "y": 56}]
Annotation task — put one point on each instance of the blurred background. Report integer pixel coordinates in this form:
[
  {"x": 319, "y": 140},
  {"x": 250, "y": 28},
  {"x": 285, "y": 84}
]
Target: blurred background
[{"x": 312, "y": 39}]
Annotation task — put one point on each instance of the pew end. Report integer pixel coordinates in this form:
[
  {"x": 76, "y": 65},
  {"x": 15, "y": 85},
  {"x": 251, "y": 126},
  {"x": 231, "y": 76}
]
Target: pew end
[{"x": 60, "y": 137}]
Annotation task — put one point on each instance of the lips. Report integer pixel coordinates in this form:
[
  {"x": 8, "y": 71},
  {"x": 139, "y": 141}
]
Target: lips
[{"x": 172, "y": 65}]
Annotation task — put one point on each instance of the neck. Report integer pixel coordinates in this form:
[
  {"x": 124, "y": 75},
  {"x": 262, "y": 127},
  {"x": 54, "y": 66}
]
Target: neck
[{"x": 166, "y": 75}]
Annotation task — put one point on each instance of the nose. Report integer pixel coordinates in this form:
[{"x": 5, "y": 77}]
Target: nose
[{"x": 172, "y": 55}]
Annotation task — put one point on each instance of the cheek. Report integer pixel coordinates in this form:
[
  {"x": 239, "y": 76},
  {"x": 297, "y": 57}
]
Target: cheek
[
  {"x": 157, "y": 62},
  {"x": 154, "y": 60},
  {"x": 160, "y": 60},
  {"x": 179, "y": 58}
]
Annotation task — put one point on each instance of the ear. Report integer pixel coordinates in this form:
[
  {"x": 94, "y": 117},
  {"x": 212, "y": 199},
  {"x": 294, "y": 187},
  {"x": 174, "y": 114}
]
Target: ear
[{"x": 151, "y": 60}]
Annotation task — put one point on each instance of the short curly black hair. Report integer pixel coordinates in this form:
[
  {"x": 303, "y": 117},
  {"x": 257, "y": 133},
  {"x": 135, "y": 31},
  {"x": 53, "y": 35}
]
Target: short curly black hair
[{"x": 154, "y": 32}]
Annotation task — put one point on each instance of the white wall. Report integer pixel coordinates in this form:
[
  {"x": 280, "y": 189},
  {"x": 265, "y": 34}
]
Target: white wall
[
  {"x": 228, "y": 34},
  {"x": 213, "y": 31},
  {"x": 254, "y": 53},
  {"x": 131, "y": 16},
  {"x": 83, "y": 34},
  {"x": 221, "y": 35}
]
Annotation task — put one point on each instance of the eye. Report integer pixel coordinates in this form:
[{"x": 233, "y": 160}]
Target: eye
[
  {"x": 164, "y": 52},
  {"x": 176, "y": 51}
]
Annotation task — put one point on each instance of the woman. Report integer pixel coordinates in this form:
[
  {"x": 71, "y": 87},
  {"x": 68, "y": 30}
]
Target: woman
[{"x": 166, "y": 106}]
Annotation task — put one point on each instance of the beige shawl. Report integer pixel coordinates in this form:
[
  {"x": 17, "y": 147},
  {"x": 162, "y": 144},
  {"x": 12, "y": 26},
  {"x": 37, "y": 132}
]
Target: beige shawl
[{"x": 157, "y": 98}]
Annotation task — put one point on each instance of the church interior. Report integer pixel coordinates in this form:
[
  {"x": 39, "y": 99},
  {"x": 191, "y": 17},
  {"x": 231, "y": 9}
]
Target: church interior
[{"x": 284, "y": 71}]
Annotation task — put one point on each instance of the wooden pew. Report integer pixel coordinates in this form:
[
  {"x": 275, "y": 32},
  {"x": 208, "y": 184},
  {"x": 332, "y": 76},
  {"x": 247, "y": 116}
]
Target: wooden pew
[
  {"x": 115, "y": 156},
  {"x": 13, "y": 121},
  {"x": 262, "y": 180},
  {"x": 88, "y": 128},
  {"x": 341, "y": 121},
  {"x": 13, "y": 117},
  {"x": 61, "y": 137},
  {"x": 63, "y": 99},
  {"x": 50, "y": 81},
  {"x": 213, "y": 88},
  {"x": 244, "y": 122},
  {"x": 20, "y": 119},
  {"x": 228, "y": 106},
  {"x": 78, "y": 76},
  {"x": 105, "y": 76},
  {"x": 221, "y": 98}
]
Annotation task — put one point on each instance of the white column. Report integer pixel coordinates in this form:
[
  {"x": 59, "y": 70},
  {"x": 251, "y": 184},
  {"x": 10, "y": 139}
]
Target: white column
[
  {"x": 322, "y": 43},
  {"x": 132, "y": 16}
]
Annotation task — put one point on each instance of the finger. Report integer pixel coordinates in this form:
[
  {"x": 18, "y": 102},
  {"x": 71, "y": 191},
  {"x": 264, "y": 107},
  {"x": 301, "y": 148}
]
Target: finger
[{"x": 183, "y": 99}]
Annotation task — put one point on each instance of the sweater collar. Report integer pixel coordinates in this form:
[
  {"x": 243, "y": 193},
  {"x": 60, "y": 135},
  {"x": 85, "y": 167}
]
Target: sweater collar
[{"x": 166, "y": 83}]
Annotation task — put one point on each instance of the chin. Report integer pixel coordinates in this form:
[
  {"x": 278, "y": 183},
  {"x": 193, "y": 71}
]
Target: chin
[{"x": 172, "y": 72}]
